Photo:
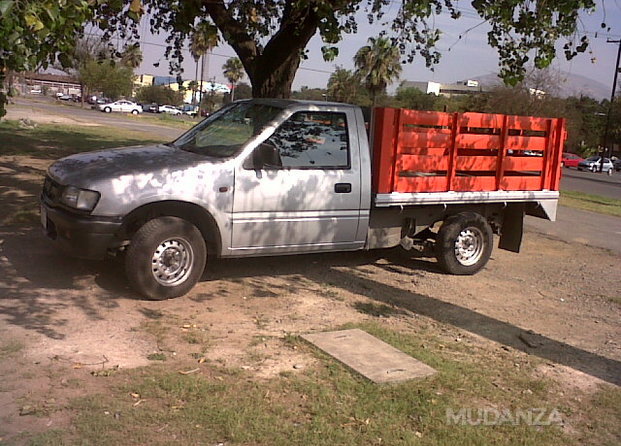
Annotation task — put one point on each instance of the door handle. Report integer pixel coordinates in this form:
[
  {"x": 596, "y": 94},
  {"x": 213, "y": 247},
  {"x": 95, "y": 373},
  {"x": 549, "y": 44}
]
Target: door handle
[{"x": 342, "y": 188}]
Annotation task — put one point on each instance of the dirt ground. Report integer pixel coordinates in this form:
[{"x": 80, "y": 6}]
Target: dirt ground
[{"x": 62, "y": 318}]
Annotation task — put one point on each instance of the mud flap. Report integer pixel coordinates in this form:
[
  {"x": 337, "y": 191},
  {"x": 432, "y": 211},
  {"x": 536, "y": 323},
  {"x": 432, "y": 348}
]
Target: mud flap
[{"x": 512, "y": 227}]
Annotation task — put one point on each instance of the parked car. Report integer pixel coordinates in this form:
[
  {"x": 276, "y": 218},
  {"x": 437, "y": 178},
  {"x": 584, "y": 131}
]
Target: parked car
[
  {"x": 593, "y": 164},
  {"x": 121, "y": 106},
  {"x": 617, "y": 164},
  {"x": 151, "y": 108},
  {"x": 171, "y": 110},
  {"x": 190, "y": 110},
  {"x": 571, "y": 160}
]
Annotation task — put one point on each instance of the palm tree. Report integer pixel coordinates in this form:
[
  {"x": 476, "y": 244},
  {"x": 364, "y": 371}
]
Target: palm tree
[
  {"x": 343, "y": 85},
  {"x": 203, "y": 40},
  {"x": 378, "y": 65},
  {"x": 234, "y": 72},
  {"x": 193, "y": 86},
  {"x": 132, "y": 56}
]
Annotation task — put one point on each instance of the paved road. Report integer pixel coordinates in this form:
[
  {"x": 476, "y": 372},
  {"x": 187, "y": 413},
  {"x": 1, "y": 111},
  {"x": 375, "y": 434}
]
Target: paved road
[
  {"x": 592, "y": 183},
  {"x": 578, "y": 226},
  {"x": 79, "y": 114}
]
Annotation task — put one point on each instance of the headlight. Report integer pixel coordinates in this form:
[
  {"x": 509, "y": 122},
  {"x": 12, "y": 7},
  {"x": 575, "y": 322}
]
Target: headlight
[{"x": 82, "y": 199}]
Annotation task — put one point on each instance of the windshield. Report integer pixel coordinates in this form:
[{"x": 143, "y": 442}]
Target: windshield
[{"x": 225, "y": 132}]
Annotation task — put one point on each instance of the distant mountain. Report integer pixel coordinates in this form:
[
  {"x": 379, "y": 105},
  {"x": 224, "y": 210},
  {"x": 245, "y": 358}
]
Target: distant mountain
[{"x": 572, "y": 85}]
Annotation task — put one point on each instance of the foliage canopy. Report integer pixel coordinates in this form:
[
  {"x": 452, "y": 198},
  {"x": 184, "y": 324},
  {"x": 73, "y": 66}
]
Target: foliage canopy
[{"x": 270, "y": 36}]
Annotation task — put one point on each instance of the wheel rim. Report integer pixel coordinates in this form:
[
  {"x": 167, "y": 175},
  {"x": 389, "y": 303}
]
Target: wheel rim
[
  {"x": 469, "y": 246},
  {"x": 172, "y": 262}
]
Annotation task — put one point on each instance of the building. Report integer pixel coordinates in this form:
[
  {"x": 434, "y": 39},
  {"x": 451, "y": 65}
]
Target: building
[
  {"x": 46, "y": 83},
  {"x": 460, "y": 88}
]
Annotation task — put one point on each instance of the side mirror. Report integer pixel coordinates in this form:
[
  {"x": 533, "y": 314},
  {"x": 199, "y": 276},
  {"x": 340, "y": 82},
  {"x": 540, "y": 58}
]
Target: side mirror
[{"x": 265, "y": 155}]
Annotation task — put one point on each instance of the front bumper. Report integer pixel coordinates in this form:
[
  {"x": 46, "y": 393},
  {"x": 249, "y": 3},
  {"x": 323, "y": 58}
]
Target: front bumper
[{"x": 81, "y": 236}]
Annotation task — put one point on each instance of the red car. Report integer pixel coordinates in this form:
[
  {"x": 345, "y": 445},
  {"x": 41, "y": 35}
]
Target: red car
[{"x": 571, "y": 160}]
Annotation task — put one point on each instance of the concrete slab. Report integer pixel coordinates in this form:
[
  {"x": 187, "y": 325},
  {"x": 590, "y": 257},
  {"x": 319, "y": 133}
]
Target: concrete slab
[{"x": 367, "y": 355}]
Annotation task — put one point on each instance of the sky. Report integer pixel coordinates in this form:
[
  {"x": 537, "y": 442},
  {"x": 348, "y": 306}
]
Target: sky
[{"x": 462, "y": 58}]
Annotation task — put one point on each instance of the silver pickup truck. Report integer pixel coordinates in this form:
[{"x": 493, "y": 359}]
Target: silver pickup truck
[{"x": 263, "y": 177}]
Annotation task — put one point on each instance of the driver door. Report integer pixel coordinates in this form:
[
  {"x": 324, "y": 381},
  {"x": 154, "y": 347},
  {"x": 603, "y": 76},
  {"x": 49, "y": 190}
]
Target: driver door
[{"x": 304, "y": 195}]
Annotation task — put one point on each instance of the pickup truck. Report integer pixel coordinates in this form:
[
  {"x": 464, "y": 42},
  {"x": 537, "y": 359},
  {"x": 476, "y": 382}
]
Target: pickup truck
[{"x": 267, "y": 177}]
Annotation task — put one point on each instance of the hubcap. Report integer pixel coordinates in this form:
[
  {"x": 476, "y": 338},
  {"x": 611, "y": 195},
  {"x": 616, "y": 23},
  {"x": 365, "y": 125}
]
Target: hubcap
[
  {"x": 172, "y": 262},
  {"x": 469, "y": 246}
]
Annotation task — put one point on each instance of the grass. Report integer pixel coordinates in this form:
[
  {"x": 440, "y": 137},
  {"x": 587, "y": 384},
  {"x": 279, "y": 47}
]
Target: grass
[
  {"x": 327, "y": 404},
  {"x": 589, "y": 202},
  {"x": 179, "y": 122},
  {"x": 52, "y": 141}
]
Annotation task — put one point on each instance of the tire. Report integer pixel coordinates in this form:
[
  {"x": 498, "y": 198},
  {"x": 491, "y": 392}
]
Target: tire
[
  {"x": 593, "y": 168},
  {"x": 609, "y": 171},
  {"x": 464, "y": 243},
  {"x": 107, "y": 110},
  {"x": 166, "y": 258},
  {"x": 134, "y": 112}
]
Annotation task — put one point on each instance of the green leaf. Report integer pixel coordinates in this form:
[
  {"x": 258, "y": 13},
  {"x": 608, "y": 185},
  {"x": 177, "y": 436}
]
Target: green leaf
[{"x": 5, "y": 6}]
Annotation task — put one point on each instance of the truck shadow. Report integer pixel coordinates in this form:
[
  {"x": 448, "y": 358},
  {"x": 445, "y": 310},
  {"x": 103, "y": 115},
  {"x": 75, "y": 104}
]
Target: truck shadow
[{"x": 350, "y": 279}]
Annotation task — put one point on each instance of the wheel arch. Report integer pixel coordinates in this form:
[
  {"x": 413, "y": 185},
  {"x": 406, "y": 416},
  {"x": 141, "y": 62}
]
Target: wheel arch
[{"x": 193, "y": 213}]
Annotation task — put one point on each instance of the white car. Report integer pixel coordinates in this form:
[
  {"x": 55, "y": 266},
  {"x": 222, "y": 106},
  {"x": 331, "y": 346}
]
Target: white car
[
  {"x": 170, "y": 110},
  {"x": 593, "y": 163},
  {"x": 121, "y": 106}
]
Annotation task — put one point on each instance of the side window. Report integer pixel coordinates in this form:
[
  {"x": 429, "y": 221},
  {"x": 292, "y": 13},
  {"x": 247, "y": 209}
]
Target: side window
[{"x": 313, "y": 140}]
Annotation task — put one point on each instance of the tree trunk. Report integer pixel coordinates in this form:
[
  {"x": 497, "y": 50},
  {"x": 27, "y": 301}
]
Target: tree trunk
[
  {"x": 270, "y": 80},
  {"x": 195, "y": 81},
  {"x": 271, "y": 67}
]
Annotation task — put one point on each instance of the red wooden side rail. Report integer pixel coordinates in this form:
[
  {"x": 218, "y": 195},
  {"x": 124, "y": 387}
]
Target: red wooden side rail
[{"x": 421, "y": 151}]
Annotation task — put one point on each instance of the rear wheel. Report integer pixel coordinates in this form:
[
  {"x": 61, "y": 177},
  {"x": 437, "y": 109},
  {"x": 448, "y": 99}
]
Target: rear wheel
[
  {"x": 166, "y": 258},
  {"x": 464, "y": 243},
  {"x": 107, "y": 109},
  {"x": 134, "y": 112}
]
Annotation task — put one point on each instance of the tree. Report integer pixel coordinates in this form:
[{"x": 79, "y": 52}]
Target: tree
[
  {"x": 234, "y": 72},
  {"x": 112, "y": 79},
  {"x": 160, "y": 94},
  {"x": 243, "y": 91},
  {"x": 270, "y": 36},
  {"x": 193, "y": 87},
  {"x": 377, "y": 64},
  {"x": 343, "y": 86},
  {"x": 413, "y": 98},
  {"x": 203, "y": 39},
  {"x": 310, "y": 94},
  {"x": 36, "y": 33},
  {"x": 132, "y": 56}
]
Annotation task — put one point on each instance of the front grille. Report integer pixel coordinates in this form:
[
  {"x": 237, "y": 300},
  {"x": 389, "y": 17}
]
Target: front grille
[{"x": 51, "y": 190}]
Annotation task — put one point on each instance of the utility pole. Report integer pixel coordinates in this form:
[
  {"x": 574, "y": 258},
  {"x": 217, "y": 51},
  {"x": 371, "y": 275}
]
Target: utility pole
[{"x": 612, "y": 98}]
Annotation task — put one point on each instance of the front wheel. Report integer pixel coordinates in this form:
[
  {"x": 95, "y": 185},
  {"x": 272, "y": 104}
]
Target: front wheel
[
  {"x": 464, "y": 243},
  {"x": 107, "y": 109},
  {"x": 166, "y": 258},
  {"x": 134, "y": 112}
]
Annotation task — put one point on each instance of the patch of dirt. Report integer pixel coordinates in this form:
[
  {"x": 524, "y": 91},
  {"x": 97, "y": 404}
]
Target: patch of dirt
[
  {"x": 36, "y": 114},
  {"x": 554, "y": 301}
]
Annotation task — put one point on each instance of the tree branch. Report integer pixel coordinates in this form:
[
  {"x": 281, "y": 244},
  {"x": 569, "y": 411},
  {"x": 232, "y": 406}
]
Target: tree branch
[{"x": 234, "y": 33}]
